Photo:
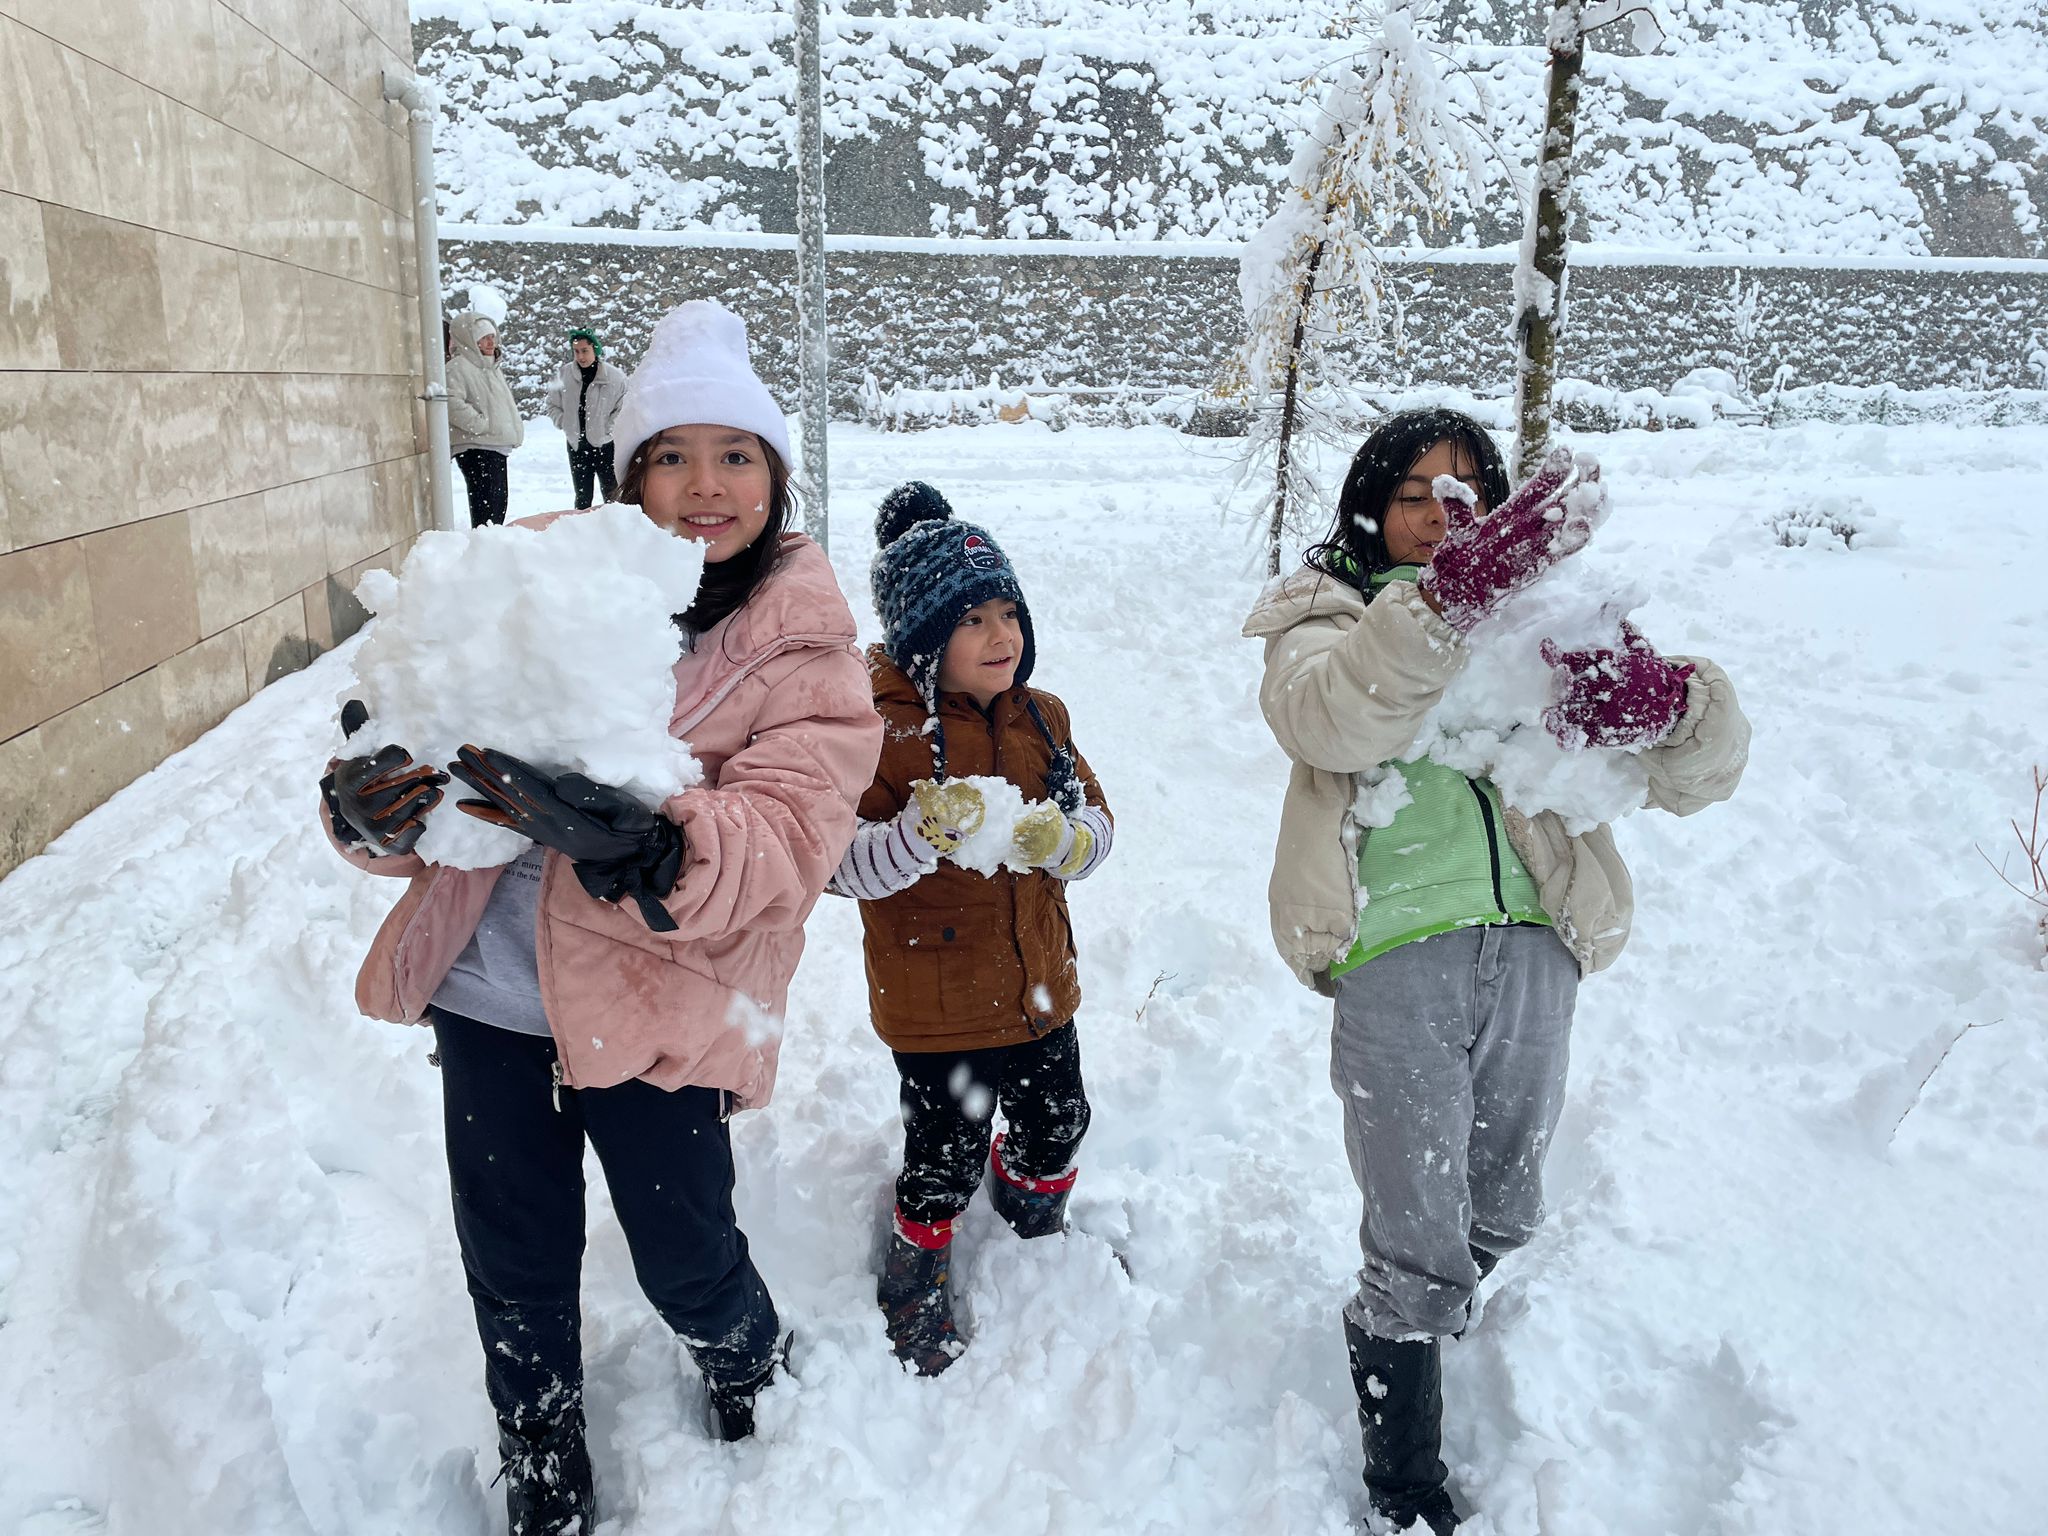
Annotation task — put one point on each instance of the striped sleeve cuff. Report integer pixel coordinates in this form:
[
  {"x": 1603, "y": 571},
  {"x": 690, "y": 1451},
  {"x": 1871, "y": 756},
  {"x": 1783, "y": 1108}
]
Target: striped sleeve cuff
[
  {"x": 886, "y": 857},
  {"x": 1102, "y": 829}
]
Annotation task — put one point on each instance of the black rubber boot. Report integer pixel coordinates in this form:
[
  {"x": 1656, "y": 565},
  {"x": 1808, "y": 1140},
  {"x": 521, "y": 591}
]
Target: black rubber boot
[
  {"x": 729, "y": 1405},
  {"x": 916, "y": 1307},
  {"x": 1031, "y": 1207},
  {"x": 547, "y": 1477},
  {"x": 1400, "y": 1416}
]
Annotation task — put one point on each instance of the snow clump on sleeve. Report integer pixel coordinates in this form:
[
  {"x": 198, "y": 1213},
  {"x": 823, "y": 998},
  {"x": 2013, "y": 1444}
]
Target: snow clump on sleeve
[{"x": 555, "y": 644}]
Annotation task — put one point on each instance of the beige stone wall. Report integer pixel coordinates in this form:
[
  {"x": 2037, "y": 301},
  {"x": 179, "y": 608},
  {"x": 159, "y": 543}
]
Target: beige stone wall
[{"x": 208, "y": 428}]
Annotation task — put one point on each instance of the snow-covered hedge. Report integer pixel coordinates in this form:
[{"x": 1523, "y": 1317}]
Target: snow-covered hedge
[
  {"x": 1878, "y": 127},
  {"x": 1662, "y": 344}
]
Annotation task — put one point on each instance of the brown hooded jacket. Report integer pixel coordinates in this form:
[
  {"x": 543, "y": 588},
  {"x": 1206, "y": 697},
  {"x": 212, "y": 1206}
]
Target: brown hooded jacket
[{"x": 962, "y": 961}]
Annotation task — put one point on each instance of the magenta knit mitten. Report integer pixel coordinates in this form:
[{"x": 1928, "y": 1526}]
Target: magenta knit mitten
[
  {"x": 1481, "y": 562},
  {"x": 1626, "y": 698}
]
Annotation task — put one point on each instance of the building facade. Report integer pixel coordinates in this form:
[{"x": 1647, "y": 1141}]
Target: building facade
[{"x": 208, "y": 418}]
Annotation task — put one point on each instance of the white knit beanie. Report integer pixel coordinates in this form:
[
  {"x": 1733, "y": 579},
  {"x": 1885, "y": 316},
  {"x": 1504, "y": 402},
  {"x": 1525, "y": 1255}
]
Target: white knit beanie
[{"x": 696, "y": 373}]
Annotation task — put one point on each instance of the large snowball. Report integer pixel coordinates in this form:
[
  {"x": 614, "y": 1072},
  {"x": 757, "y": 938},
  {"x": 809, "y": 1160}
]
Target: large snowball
[{"x": 553, "y": 644}]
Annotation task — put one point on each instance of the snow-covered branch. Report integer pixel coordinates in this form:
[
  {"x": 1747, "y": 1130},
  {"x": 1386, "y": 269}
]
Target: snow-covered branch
[{"x": 1394, "y": 140}]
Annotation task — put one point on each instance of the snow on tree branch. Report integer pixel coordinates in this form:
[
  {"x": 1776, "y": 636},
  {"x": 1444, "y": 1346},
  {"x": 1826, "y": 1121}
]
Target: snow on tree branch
[
  {"x": 1395, "y": 137},
  {"x": 1646, "y": 28}
]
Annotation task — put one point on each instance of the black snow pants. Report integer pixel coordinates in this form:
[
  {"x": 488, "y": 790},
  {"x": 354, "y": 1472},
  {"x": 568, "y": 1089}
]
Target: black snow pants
[
  {"x": 515, "y": 1165},
  {"x": 588, "y": 462},
  {"x": 483, "y": 476},
  {"x": 949, "y": 1102}
]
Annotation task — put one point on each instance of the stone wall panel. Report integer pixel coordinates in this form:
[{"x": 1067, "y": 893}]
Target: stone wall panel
[{"x": 920, "y": 319}]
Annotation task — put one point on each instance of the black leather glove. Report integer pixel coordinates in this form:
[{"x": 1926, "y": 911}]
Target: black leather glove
[
  {"x": 369, "y": 801},
  {"x": 617, "y": 846},
  {"x": 382, "y": 801}
]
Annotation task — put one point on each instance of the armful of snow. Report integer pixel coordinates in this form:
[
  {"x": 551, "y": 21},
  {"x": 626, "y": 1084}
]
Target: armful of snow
[
  {"x": 1345, "y": 700},
  {"x": 884, "y": 858},
  {"x": 765, "y": 840},
  {"x": 1701, "y": 761}
]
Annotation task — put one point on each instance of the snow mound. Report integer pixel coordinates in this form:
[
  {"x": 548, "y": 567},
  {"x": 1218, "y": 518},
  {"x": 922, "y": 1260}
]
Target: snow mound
[
  {"x": 988, "y": 850},
  {"x": 1830, "y": 522},
  {"x": 555, "y": 644}
]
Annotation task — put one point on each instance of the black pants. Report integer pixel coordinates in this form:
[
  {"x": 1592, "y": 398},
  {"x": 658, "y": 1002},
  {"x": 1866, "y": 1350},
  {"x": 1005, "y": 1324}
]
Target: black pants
[
  {"x": 483, "y": 474},
  {"x": 515, "y": 1164},
  {"x": 589, "y": 461},
  {"x": 949, "y": 1100}
]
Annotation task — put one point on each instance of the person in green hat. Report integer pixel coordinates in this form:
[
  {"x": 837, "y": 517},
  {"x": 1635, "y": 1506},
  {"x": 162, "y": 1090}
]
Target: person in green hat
[{"x": 584, "y": 401}]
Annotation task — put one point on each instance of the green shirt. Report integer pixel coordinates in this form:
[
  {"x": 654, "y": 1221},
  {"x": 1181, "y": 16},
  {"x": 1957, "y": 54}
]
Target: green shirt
[{"x": 1443, "y": 862}]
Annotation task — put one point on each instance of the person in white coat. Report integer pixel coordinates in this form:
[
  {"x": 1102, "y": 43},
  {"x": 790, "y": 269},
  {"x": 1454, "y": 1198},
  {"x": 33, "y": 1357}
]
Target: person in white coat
[
  {"x": 484, "y": 425},
  {"x": 584, "y": 401}
]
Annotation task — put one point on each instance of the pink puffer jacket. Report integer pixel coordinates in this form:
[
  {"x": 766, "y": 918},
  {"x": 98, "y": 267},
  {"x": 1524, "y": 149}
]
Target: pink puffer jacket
[{"x": 775, "y": 704}]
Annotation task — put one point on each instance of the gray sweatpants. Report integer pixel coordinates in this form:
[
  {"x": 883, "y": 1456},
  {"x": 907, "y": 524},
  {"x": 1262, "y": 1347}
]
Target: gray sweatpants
[{"x": 1449, "y": 1054}]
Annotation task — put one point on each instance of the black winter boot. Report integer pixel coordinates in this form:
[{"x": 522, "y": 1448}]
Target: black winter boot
[
  {"x": 1032, "y": 1207},
  {"x": 1400, "y": 1414},
  {"x": 916, "y": 1306},
  {"x": 547, "y": 1477},
  {"x": 729, "y": 1405}
]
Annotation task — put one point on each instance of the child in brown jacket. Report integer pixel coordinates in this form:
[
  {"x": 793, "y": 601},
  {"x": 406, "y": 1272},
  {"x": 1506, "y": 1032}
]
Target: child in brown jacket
[{"x": 971, "y": 977}]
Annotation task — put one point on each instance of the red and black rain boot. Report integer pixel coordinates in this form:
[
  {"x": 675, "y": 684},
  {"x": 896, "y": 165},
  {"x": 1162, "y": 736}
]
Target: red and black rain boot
[
  {"x": 1033, "y": 1207},
  {"x": 916, "y": 1306}
]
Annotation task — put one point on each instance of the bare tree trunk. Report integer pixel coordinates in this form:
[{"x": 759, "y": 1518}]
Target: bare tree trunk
[
  {"x": 814, "y": 400},
  {"x": 1541, "y": 277},
  {"x": 1290, "y": 412}
]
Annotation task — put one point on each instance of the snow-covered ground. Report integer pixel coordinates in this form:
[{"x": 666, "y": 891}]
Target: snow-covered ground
[{"x": 1786, "y": 1289}]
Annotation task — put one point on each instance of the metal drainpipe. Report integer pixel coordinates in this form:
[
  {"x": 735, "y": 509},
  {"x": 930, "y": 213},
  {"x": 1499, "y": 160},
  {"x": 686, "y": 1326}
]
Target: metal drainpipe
[{"x": 412, "y": 94}]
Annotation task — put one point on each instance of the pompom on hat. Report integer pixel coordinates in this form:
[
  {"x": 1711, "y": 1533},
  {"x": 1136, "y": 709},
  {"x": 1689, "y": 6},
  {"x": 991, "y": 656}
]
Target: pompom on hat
[
  {"x": 905, "y": 507},
  {"x": 696, "y": 372},
  {"x": 929, "y": 571}
]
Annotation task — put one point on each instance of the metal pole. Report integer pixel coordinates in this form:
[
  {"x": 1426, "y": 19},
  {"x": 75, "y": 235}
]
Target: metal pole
[
  {"x": 814, "y": 404},
  {"x": 409, "y": 92}
]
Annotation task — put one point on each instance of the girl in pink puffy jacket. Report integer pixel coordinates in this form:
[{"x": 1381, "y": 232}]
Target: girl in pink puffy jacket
[{"x": 669, "y": 937}]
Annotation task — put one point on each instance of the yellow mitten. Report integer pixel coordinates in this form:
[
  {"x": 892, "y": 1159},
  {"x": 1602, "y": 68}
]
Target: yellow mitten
[
  {"x": 947, "y": 814},
  {"x": 1077, "y": 858},
  {"x": 1039, "y": 836}
]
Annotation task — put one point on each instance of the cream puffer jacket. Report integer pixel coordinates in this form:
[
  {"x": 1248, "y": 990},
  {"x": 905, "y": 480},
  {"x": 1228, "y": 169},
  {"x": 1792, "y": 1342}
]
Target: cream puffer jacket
[
  {"x": 481, "y": 410},
  {"x": 1346, "y": 688}
]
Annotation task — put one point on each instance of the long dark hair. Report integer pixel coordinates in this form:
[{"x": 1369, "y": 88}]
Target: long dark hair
[
  {"x": 728, "y": 584},
  {"x": 1355, "y": 549}
]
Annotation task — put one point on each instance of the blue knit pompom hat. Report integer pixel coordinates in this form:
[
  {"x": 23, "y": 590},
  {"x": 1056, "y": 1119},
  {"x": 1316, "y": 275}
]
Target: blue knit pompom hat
[{"x": 929, "y": 570}]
